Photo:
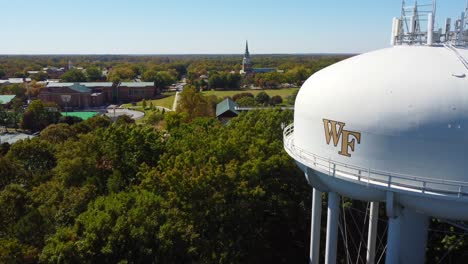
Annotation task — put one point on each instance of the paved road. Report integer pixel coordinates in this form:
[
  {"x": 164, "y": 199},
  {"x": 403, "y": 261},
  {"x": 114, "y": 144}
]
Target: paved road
[
  {"x": 122, "y": 111},
  {"x": 176, "y": 101},
  {"x": 163, "y": 108}
]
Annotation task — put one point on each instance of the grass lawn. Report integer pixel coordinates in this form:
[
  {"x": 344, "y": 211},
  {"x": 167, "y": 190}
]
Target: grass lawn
[
  {"x": 166, "y": 102},
  {"x": 284, "y": 93},
  {"x": 82, "y": 115}
]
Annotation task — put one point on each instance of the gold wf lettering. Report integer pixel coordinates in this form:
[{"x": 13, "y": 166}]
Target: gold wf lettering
[{"x": 335, "y": 130}]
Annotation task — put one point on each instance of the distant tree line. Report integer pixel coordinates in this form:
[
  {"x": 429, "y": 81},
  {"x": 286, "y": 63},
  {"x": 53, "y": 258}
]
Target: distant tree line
[{"x": 221, "y": 71}]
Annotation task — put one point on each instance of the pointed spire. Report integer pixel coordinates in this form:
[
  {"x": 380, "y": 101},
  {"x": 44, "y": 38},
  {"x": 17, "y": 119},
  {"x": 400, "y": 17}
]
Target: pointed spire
[{"x": 247, "y": 48}]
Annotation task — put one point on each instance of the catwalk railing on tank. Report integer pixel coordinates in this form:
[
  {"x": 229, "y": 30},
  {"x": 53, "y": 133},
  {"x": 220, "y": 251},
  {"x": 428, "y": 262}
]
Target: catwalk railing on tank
[{"x": 369, "y": 176}]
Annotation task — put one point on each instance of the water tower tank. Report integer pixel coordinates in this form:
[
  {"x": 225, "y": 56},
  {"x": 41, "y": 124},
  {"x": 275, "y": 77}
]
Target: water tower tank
[
  {"x": 397, "y": 117},
  {"x": 392, "y": 126}
]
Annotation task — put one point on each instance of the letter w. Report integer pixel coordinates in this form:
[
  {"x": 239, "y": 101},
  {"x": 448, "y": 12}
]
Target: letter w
[{"x": 330, "y": 131}]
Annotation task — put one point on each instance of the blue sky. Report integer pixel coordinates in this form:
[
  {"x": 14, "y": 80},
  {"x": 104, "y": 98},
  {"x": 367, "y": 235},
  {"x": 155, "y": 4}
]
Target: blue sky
[{"x": 200, "y": 27}]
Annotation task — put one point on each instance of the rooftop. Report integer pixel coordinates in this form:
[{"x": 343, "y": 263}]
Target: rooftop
[
  {"x": 5, "y": 99},
  {"x": 86, "y": 84},
  {"x": 137, "y": 84},
  {"x": 225, "y": 106},
  {"x": 80, "y": 88}
]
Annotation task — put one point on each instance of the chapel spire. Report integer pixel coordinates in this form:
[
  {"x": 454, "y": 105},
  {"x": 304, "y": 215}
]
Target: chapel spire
[{"x": 247, "y": 53}]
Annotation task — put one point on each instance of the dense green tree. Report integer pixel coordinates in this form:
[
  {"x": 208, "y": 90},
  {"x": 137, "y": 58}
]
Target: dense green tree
[
  {"x": 35, "y": 157},
  {"x": 14, "y": 252},
  {"x": 174, "y": 119},
  {"x": 10, "y": 172},
  {"x": 194, "y": 103},
  {"x": 17, "y": 89},
  {"x": 73, "y": 75},
  {"x": 124, "y": 120},
  {"x": 70, "y": 120},
  {"x": 242, "y": 95},
  {"x": 224, "y": 80},
  {"x": 242, "y": 169},
  {"x": 93, "y": 74},
  {"x": 41, "y": 76},
  {"x": 276, "y": 100},
  {"x": 122, "y": 227},
  {"x": 269, "y": 80},
  {"x": 246, "y": 102},
  {"x": 39, "y": 115},
  {"x": 101, "y": 121},
  {"x": 121, "y": 74},
  {"x": 262, "y": 98},
  {"x": 19, "y": 75},
  {"x": 96, "y": 156},
  {"x": 154, "y": 118},
  {"x": 22, "y": 229},
  {"x": 4, "y": 148},
  {"x": 161, "y": 79},
  {"x": 292, "y": 98},
  {"x": 298, "y": 75},
  {"x": 150, "y": 76},
  {"x": 58, "y": 133}
]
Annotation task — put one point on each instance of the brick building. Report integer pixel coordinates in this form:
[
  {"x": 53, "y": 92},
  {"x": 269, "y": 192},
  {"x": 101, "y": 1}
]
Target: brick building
[
  {"x": 79, "y": 96},
  {"x": 96, "y": 94}
]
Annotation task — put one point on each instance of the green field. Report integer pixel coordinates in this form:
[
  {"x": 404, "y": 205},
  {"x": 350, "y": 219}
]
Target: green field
[
  {"x": 82, "y": 115},
  {"x": 168, "y": 101}
]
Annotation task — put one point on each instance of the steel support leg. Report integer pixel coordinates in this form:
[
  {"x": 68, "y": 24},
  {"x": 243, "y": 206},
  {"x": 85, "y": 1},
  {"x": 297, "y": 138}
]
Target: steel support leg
[
  {"x": 407, "y": 238},
  {"x": 314, "y": 255},
  {"x": 332, "y": 228},
  {"x": 372, "y": 236},
  {"x": 414, "y": 231},
  {"x": 393, "y": 241}
]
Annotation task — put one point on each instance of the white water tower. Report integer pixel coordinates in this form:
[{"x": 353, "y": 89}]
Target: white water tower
[{"x": 389, "y": 126}]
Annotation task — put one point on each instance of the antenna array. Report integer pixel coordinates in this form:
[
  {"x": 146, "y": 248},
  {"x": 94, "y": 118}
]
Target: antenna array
[{"x": 416, "y": 26}]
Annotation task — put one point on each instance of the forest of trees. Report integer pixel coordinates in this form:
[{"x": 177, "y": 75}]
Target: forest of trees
[{"x": 97, "y": 192}]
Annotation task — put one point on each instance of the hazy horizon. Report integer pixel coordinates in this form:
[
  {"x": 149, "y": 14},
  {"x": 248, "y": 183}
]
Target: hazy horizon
[
  {"x": 184, "y": 54},
  {"x": 181, "y": 27}
]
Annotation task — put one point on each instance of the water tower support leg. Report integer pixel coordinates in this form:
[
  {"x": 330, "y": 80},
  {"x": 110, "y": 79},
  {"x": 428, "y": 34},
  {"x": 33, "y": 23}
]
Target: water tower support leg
[
  {"x": 393, "y": 241},
  {"x": 315, "y": 227},
  {"x": 332, "y": 227},
  {"x": 407, "y": 238},
  {"x": 414, "y": 231},
  {"x": 372, "y": 236}
]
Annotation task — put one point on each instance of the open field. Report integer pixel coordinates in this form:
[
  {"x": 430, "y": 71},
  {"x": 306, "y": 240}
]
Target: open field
[{"x": 168, "y": 101}]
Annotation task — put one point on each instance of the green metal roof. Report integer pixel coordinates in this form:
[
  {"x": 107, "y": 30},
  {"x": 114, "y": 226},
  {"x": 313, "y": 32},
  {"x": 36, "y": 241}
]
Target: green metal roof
[
  {"x": 80, "y": 88},
  {"x": 226, "y": 105},
  {"x": 97, "y": 84},
  {"x": 87, "y": 84},
  {"x": 5, "y": 99},
  {"x": 82, "y": 115},
  {"x": 137, "y": 84}
]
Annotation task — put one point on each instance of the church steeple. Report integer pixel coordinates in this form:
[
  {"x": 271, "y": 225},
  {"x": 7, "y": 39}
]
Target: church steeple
[
  {"x": 247, "y": 54},
  {"x": 246, "y": 62}
]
